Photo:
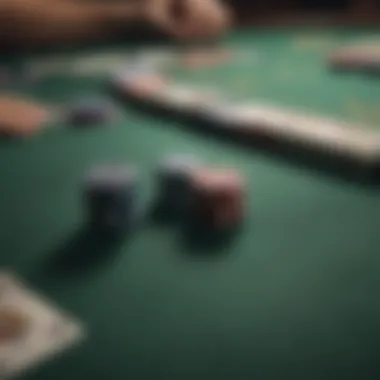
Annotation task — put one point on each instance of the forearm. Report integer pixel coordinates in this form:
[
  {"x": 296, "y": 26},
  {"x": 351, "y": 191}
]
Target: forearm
[{"x": 45, "y": 22}]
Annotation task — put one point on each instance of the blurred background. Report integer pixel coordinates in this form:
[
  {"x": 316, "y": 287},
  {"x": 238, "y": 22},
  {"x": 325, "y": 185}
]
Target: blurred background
[{"x": 308, "y": 11}]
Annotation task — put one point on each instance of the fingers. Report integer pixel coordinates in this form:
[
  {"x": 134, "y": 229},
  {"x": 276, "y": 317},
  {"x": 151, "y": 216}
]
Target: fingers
[
  {"x": 189, "y": 19},
  {"x": 203, "y": 19},
  {"x": 223, "y": 18},
  {"x": 212, "y": 17},
  {"x": 20, "y": 117}
]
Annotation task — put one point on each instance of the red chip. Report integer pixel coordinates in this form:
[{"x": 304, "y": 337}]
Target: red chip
[{"x": 218, "y": 196}]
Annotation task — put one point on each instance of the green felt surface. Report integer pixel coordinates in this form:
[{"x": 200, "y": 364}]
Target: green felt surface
[
  {"x": 290, "y": 69},
  {"x": 293, "y": 296}
]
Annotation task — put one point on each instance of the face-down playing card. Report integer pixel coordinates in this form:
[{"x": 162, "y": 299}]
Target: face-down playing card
[{"x": 31, "y": 329}]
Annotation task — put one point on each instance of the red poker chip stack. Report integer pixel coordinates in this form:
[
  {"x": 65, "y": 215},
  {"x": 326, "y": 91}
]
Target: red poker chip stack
[{"x": 218, "y": 197}]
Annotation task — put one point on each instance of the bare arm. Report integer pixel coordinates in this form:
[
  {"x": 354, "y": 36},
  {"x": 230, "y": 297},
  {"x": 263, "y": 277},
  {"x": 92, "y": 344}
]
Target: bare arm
[
  {"x": 44, "y": 22},
  {"x": 31, "y": 23}
]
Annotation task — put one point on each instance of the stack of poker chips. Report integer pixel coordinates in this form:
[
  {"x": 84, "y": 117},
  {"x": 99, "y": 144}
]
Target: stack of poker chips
[
  {"x": 89, "y": 112},
  {"x": 174, "y": 183},
  {"x": 111, "y": 194},
  {"x": 218, "y": 198},
  {"x": 187, "y": 191},
  {"x": 209, "y": 197}
]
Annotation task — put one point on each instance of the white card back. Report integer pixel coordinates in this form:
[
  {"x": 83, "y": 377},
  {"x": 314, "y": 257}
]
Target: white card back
[{"x": 49, "y": 331}]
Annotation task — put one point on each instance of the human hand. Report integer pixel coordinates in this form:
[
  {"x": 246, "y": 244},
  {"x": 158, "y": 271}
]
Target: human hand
[
  {"x": 20, "y": 117},
  {"x": 187, "y": 19}
]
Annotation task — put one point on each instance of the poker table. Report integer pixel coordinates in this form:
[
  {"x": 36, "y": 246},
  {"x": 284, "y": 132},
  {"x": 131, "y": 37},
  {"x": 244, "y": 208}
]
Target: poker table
[{"x": 292, "y": 295}]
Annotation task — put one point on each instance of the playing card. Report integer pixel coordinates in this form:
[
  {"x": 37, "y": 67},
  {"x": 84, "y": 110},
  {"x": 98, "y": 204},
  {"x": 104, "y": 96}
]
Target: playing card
[
  {"x": 240, "y": 113},
  {"x": 180, "y": 98},
  {"x": 219, "y": 112},
  {"x": 130, "y": 74},
  {"x": 143, "y": 88},
  {"x": 357, "y": 141},
  {"x": 31, "y": 329}
]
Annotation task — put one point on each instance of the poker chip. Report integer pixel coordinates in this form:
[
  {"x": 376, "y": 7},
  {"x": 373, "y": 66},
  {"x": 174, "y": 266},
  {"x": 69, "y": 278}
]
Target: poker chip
[
  {"x": 217, "y": 197},
  {"x": 210, "y": 180},
  {"x": 89, "y": 112},
  {"x": 112, "y": 197},
  {"x": 177, "y": 164},
  {"x": 14, "y": 324},
  {"x": 174, "y": 180}
]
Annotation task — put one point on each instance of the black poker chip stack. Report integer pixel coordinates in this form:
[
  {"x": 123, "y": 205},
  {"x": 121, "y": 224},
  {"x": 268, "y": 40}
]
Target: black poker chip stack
[{"x": 111, "y": 197}]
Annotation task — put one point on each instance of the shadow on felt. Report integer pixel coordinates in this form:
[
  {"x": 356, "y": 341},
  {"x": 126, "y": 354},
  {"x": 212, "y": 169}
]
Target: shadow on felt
[
  {"x": 196, "y": 238},
  {"x": 85, "y": 250},
  {"x": 204, "y": 240},
  {"x": 160, "y": 213},
  {"x": 195, "y": 235}
]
